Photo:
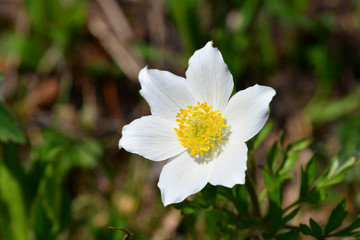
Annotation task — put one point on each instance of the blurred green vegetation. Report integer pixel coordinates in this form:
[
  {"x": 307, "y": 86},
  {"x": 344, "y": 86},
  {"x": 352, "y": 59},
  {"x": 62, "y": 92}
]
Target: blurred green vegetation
[{"x": 67, "y": 87}]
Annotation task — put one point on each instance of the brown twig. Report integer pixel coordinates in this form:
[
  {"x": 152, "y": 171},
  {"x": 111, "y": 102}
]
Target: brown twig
[
  {"x": 128, "y": 234},
  {"x": 120, "y": 51}
]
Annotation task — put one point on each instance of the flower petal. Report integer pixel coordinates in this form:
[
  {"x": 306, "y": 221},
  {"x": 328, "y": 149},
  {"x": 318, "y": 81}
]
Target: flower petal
[
  {"x": 151, "y": 137},
  {"x": 209, "y": 77},
  {"x": 165, "y": 92},
  {"x": 181, "y": 177},
  {"x": 229, "y": 168},
  {"x": 248, "y": 110}
]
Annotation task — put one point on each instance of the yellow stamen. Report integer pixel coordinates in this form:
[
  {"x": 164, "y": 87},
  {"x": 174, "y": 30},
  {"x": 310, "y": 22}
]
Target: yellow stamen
[{"x": 199, "y": 128}]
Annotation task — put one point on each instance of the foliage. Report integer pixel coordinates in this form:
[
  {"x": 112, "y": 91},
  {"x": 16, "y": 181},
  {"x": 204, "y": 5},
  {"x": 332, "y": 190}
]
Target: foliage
[
  {"x": 9, "y": 129},
  {"x": 33, "y": 198},
  {"x": 240, "y": 212}
]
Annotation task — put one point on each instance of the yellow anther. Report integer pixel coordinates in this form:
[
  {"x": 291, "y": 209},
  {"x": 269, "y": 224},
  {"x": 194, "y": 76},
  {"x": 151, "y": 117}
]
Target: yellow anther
[{"x": 199, "y": 128}]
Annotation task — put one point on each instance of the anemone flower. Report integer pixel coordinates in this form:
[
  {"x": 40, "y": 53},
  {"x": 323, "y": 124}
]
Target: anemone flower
[{"x": 196, "y": 126}]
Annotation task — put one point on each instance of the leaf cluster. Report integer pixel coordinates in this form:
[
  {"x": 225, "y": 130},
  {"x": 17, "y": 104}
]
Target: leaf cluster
[
  {"x": 246, "y": 213},
  {"x": 33, "y": 199}
]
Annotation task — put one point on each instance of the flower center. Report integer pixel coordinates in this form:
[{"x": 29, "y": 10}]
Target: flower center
[{"x": 199, "y": 128}]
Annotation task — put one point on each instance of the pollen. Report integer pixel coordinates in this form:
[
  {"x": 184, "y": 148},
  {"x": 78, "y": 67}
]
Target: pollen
[{"x": 199, "y": 128}]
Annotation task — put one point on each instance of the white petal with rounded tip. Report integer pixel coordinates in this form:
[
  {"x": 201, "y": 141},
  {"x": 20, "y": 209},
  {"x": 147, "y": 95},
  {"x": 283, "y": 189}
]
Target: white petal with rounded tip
[
  {"x": 209, "y": 77},
  {"x": 165, "y": 92},
  {"x": 229, "y": 168},
  {"x": 248, "y": 110},
  {"x": 181, "y": 177},
  {"x": 151, "y": 137}
]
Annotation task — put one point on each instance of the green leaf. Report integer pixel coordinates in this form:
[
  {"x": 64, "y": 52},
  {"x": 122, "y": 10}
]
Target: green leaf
[
  {"x": 12, "y": 42},
  {"x": 305, "y": 229},
  {"x": 273, "y": 185},
  {"x": 286, "y": 176},
  {"x": 326, "y": 111},
  {"x": 274, "y": 193},
  {"x": 336, "y": 218},
  {"x": 241, "y": 200},
  {"x": 9, "y": 129},
  {"x": 185, "y": 17},
  {"x": 316, "y": 229},
  {"x": 56, "y": 21},
  {"x": 291, "y": 235},
  {"x": 208, "y": 193},
  {"x": 307, "y": 177},
  {"x": 224, "y": 192},
  {"x": 68, "y": 152},
  {"x": 249, "y": 9},
  {"x": 290, "y": 216},
  {"x": 262, "y": 135},
  {"x": 304, "y": 187},
  {"x": 5, "y": 224},
  {"x": 265, "y": 42},
  {"x": 290, "y": 160},
  {"x": 273, "y": 216},
  {"x": 52, "y": 206},
  {"x": 311, "y": 170},
  {"x": 299, "y": 145},
  {"x": 272, "y": 157},
  {"x": 12, "y": 194},
  {"x": 356, "y": 235},
  {"x": 315, "y": 196},
  {"x": 190, "y": 207},
  {"x": 347, "y": 231},
  {"x": 335, "y": 173}
]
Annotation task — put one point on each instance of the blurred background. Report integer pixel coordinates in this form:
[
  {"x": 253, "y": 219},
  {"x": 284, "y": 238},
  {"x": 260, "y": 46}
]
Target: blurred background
[{"x": 69, "y": 77}]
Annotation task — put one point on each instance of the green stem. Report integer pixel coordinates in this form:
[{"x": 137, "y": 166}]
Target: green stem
[
  {"x": 253, "y": 167},
  {"x": 253, "y": 196},
  {"x": 227, "y": 211},
  {"x": 291, "y": 205},
  {"x": 291, "y": 227}
]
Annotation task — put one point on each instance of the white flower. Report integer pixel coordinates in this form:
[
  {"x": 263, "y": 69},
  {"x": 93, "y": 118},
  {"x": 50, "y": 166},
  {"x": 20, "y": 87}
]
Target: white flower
[{"x": 195, "y": 126}]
